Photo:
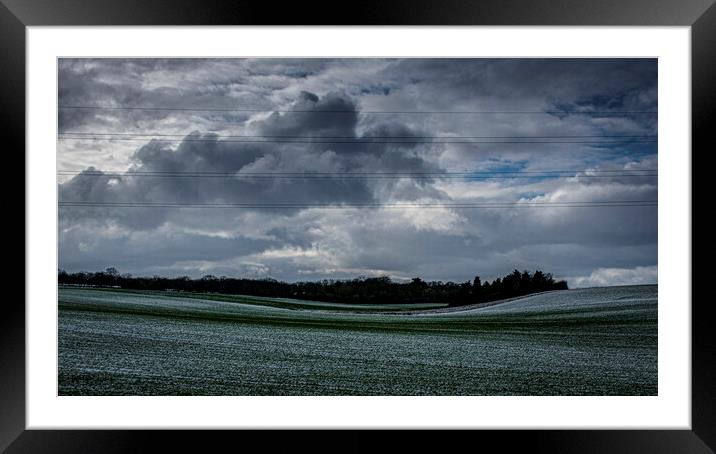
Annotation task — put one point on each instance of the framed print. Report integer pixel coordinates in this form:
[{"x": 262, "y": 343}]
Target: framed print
[{"x": 447, "y": 219}]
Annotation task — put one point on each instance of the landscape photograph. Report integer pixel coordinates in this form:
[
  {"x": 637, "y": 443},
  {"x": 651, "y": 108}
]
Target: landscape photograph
[{"x": 357, "y": 226}]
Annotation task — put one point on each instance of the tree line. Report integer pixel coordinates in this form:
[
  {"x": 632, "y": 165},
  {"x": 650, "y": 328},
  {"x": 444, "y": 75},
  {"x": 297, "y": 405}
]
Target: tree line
[{"x": 362, "y": 290}]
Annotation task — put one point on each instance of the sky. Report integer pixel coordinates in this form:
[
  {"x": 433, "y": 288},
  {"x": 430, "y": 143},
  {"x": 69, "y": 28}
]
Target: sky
[{"x": 307, "y": 169}]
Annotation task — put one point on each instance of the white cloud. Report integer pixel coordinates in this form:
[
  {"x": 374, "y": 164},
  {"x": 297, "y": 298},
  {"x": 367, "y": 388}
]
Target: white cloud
[{"x": 616, "y": 276}]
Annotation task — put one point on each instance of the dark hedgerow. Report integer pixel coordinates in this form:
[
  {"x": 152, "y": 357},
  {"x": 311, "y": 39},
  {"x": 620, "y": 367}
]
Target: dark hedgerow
[{"x": 362, "y": 290}]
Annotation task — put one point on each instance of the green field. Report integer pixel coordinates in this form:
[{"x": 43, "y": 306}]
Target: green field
[{"x": 600, "y": 341}]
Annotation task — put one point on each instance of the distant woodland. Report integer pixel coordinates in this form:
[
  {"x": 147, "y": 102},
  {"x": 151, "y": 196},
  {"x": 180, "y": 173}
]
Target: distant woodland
[{"x": 362, "y": 290}]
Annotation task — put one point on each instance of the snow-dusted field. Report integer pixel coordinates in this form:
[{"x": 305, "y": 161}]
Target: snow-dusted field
[{"x": 577, "y": 342}]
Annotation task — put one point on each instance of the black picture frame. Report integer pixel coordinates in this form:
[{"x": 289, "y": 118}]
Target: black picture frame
[{"x": 16, "y": 15}]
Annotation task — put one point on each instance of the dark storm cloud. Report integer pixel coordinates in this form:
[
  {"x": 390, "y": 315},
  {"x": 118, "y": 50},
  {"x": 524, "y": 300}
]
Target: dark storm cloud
[
  {"x": 316, "y": 99},
  {"x": 331, "y": 116},
  {"x": 244, "y": 165}
]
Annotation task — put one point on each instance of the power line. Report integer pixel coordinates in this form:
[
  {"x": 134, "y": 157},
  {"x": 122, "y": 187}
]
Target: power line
[
  {"x": 466, "y": 176},
  {"x": 363, "y": 141},
  {"x": 497, "y": 205},
  {"x": 368, "y": 173},
  {"x": 393, "y": 112},
  {"x": 131, "y": 134}
]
